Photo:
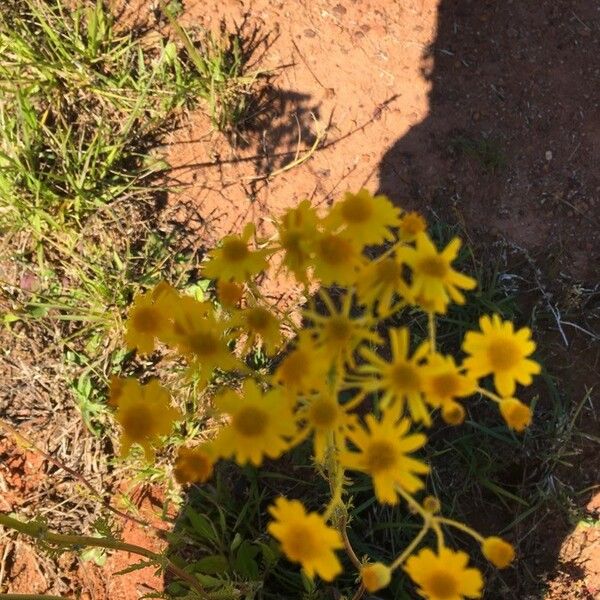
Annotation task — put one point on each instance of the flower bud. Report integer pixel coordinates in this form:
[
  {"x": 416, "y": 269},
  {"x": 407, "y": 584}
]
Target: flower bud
[
  {"x": 375, "y": 576},
  {"x": 516, "y": 414},
  {"x": 498, "y": 552}
]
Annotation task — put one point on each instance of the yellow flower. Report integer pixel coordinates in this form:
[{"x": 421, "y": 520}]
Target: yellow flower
[
  {"x": 516, "y": 414},
  {"x": 383, "y": 454},
  {"x": 149, "y": 318},
  {"x": 501, "y": 350},
  {"x": 498, "y": 552},
  {"x": 328, "y": 419},
  {"x": 375, "y": 576},
  {"x": 365, "y": 219},
  {"x": 303, "y": 370},
  {"x": 305, "y": 538},
  {"x": 229, "y": 293},
  {"x": 194, "y": 465},
  {"x": 400, "y": 380},
  {"x": 411, "y": 225},
  {"x": 443, "y": 382},
  {"x": 233, "y": 260},
  {"x": 380, "y": 281},
  {"x": 297, "y": 231},
  {"x": 434, "y": 281},
  {"x": 261, "y": 424},
  {"x": 444, "y": 576},
  {"x": 145, "y": 414},
  {"x": 337, "y": 259},
  {"x": 200, "y": 338},
  {"x": 118, "y": 387},
  {"x": 259, "y": 322},
  {"x": 338, "y": 333}
]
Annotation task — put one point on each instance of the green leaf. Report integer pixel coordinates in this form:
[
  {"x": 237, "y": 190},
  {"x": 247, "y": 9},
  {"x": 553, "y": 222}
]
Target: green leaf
[
  {"x": 245, "y": 563},
  {"x": 212, "y": 565},
  {"x": 202, "y": 525}
]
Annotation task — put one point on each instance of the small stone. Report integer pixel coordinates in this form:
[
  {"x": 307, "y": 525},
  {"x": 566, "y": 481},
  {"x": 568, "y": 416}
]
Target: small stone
[
  {"x": 548, "y": 155},
  {"x": 339, "y": 11},
  {"x": 310, "y": 33}
]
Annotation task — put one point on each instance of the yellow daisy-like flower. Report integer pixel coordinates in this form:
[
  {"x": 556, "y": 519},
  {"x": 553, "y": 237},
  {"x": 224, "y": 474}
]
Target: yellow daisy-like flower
[
  {"x": 383, "y": 449},
  {"x": 411, "y": 225},
  {"x": 200, "y": 338},
  {"x": 337, "y": 259},
  {"x": 145, "y": 414},
  {"x": 443, "y": 382},
  {"x": 501, "y": 351},
  {"x": 233, "y": 260},
  {"x": 499, "y": 552},
  {"x": 260, "y": 322},
  {"x": 338, "y": 333},
  {"x": 148, "y": 319},
  {"x": 229, "y": 293},
  {"x": 304, "y": 369},
  {"x": 380, "y": 282},
  {"x": 444, "y": 576},
  {"x": 305, "y": 538},
  {"x": 434, "y": 281},
  {"x": 400, "y": 380},
  {"x": 327, "y": 419},
  {"x": 516, "y": 414},
  {"x": 365, "y": 218},
  {"x": 297, "y": 231},
  {"x": 194, "y": 465},
  {"x": 261, "y": 424},
  {"x": 375, "y": 576}
]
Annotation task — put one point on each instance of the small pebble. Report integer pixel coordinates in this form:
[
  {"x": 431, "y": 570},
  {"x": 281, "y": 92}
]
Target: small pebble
[{"x": 548, "y": 154}]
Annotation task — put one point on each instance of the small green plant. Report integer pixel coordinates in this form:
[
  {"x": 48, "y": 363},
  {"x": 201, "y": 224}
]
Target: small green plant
[{"x": 486, "y": 150}]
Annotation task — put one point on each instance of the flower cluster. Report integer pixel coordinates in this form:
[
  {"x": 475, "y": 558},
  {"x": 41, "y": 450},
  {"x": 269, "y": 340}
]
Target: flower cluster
[{"x": 365, "y": 403}]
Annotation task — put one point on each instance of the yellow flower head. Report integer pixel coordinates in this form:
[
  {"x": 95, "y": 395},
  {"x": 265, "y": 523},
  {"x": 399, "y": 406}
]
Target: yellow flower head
[
  {"x": 149, "y": 317},
  {"x": 145, "y": 414},
  {"x": 434, "y": 281},
  {"x": 199, "y": 337},
  {"x": 411, "y": 225},
  {"x": 453, "y": 412},
  {"x": 118, "y": 387},
  {"x": 261, "y": 424},
  {"x": 501, "y": 350},
  {"x": 400, "y": 380},
  {"x": 260, "y": 322},
  {"x": 339, "y": 333},
  {"x": 337, "y": 259},
  {"x": 375, "y": 576},
  {"x": 303, "y": 370},
  {"x": 229, "y": 293},
  {"x": 383, "y": 449},
  {"x": 516, "y": 414},
  {"x": 380, "y": 282},
  {"x": 327, "y": 418},
  {"x": 194, "y": 465},
  {"x": 443, "y": 382},
  {"x": 499, "y": 552},
  {"x": 444, "y": 576},
  {"x": 305, "y": 538},
  {"x": 233, "y": 260},
  {"x": 297, "y": 231},
  {"x": 365, "y": 218}
]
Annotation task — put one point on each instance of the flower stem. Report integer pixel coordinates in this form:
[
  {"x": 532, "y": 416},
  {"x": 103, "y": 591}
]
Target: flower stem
[
  {"x": 409, "y": 549},
  {"x": 461, "y": 527},
  {"x": 41, "y": 533},
  {"x": 432, "y": 330},
  {"x": 489, "y": 395}
]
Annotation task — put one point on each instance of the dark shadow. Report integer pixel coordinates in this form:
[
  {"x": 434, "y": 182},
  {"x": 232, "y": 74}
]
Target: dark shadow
[{"x": 509, "y": 152}]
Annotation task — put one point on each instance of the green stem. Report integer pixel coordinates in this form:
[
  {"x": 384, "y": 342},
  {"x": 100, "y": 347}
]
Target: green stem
[
  {"x": 41, "y": 533},
  {"x": 409, "y": 549},
  {"x": 432, "y": 333},
  {"x": 489, "y": 395},
  {"x": 461, "y": 527}
]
